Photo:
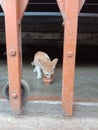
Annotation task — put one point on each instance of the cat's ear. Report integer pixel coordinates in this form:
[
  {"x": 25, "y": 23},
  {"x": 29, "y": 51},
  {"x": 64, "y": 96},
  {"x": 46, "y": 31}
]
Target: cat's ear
[{"x": 54, "y": 62}]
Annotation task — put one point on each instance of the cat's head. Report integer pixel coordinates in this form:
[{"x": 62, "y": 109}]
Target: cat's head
[{"x": 48, "y": 68}]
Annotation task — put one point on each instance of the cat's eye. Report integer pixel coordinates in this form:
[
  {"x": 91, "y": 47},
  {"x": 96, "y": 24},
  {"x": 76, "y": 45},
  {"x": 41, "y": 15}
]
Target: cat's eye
[{"x": 47, "y": 74}]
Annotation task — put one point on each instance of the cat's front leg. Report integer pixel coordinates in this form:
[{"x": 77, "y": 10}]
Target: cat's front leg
[
  {"x": 39, "y": 74},
  {"x": 35, "y": 69}
]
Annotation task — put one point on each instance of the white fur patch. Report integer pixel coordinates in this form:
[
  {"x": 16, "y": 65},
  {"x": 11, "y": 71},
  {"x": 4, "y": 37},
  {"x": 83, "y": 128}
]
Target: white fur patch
[{"x": 38, "y": 70}]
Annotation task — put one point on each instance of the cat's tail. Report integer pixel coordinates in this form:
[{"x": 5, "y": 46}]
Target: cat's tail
[{"x": 32, "y": 63}]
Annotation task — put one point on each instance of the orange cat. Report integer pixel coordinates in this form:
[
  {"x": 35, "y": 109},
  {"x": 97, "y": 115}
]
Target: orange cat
[{"x": 43, "y": 64}]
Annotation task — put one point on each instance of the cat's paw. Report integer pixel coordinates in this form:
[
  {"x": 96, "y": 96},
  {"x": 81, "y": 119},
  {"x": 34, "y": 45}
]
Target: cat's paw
[{"x": 39, "y": 77}]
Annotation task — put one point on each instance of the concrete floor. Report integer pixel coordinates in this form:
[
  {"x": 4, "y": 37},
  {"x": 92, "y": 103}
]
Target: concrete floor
[
  {"x": 41, "y": 115},
  {"x": 48, "y": 115},
  {"x": 86, "y": 81}
]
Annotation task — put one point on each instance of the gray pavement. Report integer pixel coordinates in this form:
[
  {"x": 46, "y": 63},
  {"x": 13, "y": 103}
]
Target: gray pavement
[
  {"x": 41, "y": 115},
  {"x": 45, "y": 115}
]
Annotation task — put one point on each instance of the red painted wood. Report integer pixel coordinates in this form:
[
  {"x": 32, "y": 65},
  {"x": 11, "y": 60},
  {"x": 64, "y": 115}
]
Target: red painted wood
[
  {"x": 13, "y": 53},
  {"x": 69, "y": 50}
]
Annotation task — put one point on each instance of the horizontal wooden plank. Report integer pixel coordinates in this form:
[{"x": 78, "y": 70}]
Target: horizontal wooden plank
[
  {"x": 36, "y": 38},
  {"x": 42, "y": 7},
  {"x": 51, "y": 6},
  {"x": 91, "y": 1},
  {"x": 90, "y": 8},
  {"x": 87, "y": 23},
  {"x": 46, "y": 30}
]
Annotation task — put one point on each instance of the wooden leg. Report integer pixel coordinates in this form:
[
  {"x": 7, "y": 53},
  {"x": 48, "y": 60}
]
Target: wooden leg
[
  {"x": 14, "y": 10},
  {"x": 61, "y": 4},
  {"x": 13, "y": 54},
  {"x": 81, "y": 3},
  {"x": 70, "y": 39}
]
